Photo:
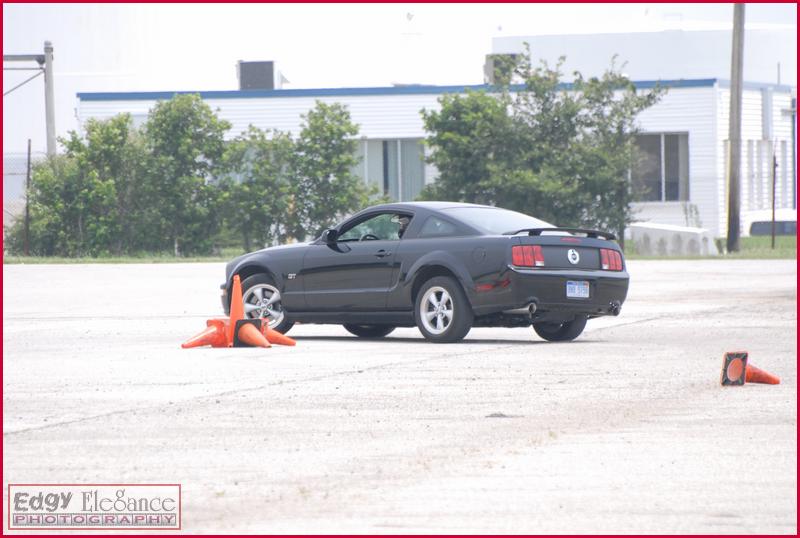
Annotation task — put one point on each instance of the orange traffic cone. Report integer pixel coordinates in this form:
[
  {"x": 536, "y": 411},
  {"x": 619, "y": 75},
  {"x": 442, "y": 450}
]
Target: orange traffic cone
[
  {"x": 276, "y": 337},
  {"x": 237, "y": 307},
  {"x": 757, "y": 375},
  {"x": 248, "y": 334},
  {"x": 214, "y": 336},
  {"x": 736, "y": 371},
  {"x": 733, "y": 366}
]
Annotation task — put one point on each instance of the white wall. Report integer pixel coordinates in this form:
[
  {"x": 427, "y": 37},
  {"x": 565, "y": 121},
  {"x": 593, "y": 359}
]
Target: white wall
[
  {"x": 686, "y": 110},
  {"x": 756, "y": 179},
  {"x": 378, "y": 116}
]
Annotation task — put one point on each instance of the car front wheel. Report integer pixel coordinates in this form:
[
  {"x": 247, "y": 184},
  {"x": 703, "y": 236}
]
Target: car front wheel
[
  {"x": 442, "y": 311},
  {"x": 561, "y": 332},
  {"x": 369, "y": 331},
  {"x": 262, "y": 299}
]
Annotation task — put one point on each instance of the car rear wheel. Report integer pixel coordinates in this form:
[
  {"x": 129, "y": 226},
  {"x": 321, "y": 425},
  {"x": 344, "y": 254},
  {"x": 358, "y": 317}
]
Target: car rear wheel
[
  {"x": 442, "y": 311},
  {"x": 262, "y": 299},
  {"x": 561, "y": 332},
  {"x": 369, "y": 331}
]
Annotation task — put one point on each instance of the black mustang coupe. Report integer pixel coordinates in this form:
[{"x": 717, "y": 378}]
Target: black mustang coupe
[{"x": 444, "y": 267}]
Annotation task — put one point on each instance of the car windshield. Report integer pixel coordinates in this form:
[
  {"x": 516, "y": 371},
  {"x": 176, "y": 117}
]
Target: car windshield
[{"x": 494, "y": 220}]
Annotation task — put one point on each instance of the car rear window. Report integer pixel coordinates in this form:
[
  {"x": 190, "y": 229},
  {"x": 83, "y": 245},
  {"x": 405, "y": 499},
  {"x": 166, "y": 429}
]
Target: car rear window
[{"x": 494, "y": 220}]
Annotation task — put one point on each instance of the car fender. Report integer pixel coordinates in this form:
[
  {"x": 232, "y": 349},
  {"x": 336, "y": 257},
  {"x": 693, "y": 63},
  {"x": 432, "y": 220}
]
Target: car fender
[
  {"x": 248, "y": 267},
  {"x": 444, "y": 259}
]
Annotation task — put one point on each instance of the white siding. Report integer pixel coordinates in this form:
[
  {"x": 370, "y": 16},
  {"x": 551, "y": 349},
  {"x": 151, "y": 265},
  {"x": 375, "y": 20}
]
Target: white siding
[
  {"x": 378, "y": 116},
  {"x": 686, "y": 110},
  {"x": 756, "y": 162}
]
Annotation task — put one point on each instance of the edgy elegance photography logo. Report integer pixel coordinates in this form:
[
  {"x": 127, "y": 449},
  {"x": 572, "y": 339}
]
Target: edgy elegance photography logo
[{"x": 94, "y": 506}]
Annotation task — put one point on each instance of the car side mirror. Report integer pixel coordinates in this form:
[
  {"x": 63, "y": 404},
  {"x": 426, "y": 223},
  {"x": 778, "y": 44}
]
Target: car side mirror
[{"x": 329, "y": 236}]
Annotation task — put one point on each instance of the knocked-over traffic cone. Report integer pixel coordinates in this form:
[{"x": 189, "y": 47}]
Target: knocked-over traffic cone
[
  {"x": 736, "y": 371},
  {"x": 276, "y": 337},
  {"x": 237, "y": 308},
  {"x": 733, "y": 366},
  {"x": 209, "y": 337},
  {"x": 757, "y": 375},
  {"x": 214, "y": 335},
  {"x": 248, "y": 333}
]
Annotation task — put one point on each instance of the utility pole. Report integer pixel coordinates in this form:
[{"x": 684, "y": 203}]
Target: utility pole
[
  {"x": 49, "y": 100},
  {"x": 27, "y": 244},
  {"x": 735, "y": 128},
  {"x": 774, "y": 178}
]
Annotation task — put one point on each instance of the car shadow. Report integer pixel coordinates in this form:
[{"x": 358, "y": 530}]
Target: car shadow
[{"x": 420, "y": 340}]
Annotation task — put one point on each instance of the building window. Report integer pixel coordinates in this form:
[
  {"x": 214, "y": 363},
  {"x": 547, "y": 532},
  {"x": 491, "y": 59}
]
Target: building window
[
  {"x": 395, "y": 167},
  {"x": 660, "y": 171}
]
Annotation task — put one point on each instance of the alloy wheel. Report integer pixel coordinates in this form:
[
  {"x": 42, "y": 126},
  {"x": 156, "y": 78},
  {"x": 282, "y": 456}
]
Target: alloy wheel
[
  {"x": 436, "y": 310},
  {"x": 264, "y": 301}
]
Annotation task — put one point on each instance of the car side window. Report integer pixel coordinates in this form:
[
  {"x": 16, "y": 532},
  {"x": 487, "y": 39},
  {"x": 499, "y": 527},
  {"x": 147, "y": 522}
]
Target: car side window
[
  {"x": 436, "y": 227},
  {"x": 383, "y": 227}
]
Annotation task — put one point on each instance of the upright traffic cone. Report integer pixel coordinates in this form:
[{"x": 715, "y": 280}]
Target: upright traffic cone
[
  {"x": 757, "y": 375},
  {"x": 237, "y": 308},
  {"x": 248, "y": 334},
  {"x": 214, "y": 335},
  {"x": 276, "y": 337}
]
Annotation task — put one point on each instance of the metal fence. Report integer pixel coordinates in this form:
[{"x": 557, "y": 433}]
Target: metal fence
[{"x": 15, "y": 169}]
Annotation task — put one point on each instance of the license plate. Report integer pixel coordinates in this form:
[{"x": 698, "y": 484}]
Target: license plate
[{"x": 578, "y": 289}]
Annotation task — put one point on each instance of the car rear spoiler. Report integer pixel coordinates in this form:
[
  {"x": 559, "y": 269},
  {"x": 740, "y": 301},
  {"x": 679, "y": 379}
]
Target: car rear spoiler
[{"x": 594, "y": 234}]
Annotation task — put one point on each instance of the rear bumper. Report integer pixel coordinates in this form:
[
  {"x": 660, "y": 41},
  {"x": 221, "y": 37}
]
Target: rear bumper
[{"x": 547, "y": 288}]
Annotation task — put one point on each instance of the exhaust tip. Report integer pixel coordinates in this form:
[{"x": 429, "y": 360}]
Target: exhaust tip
[
  {"x": 615, "y": 307},
  {"x": 532, "y": 308}
]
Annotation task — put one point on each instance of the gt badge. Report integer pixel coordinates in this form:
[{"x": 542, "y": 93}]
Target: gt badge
[
  {"x": 573, "y": 256},
  {"x": 291, "y": 276}
]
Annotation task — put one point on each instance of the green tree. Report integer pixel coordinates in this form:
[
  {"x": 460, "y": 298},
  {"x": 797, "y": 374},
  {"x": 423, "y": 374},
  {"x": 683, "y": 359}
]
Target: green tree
[
  {"x": 324, "y": 187},
  {"x": 114, "y": 152},
  {"x": 185, "y": 139},
  {"x": 81, "y": 202},
  {"x": 256, "y": 186},
  {"x": 559, "y": 152},
  {"x": 468, "y": 134},
  {"x": 175, "y": 184}
]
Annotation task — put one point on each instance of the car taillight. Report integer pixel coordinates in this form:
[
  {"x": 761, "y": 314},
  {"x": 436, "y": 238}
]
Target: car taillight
[
  {"x": 610, "y": 260},
  {"x": 527, "y": 256}
]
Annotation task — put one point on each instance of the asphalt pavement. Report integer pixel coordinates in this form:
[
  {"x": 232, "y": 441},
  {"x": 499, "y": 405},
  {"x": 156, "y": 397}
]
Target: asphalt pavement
[{"x": 626, "y": 430}]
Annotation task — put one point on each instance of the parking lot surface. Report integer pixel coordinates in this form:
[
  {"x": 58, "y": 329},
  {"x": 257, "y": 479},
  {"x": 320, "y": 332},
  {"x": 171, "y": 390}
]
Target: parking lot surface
[{"x": 624, "y": 430}]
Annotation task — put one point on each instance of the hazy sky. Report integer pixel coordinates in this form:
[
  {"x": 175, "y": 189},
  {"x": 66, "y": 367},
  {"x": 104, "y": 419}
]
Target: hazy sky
[{"x": 141, "y": 47}]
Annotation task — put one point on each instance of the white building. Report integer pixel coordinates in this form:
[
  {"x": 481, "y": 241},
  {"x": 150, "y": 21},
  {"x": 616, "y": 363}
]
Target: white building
[{"x": 682, "y": 175}]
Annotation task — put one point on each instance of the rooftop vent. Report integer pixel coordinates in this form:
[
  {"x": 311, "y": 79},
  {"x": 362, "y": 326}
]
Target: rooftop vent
[{"x": 259, "y": 76}]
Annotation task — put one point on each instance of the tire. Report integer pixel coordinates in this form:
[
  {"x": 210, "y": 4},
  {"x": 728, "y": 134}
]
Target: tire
[
  {"x": 257, "y": 291},
  {"x": 561, "y": 332},
  {"x": 369, "y": 331},
  {"x": 435, "y": 325}
]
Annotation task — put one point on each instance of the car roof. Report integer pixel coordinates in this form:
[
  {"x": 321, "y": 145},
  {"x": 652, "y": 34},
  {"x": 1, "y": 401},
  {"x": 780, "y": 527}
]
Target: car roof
[{"x": 424, "y": 205}]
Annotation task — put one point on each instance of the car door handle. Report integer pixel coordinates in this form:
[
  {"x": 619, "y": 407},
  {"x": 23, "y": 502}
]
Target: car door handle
[{"x": 383, "y": 253}]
